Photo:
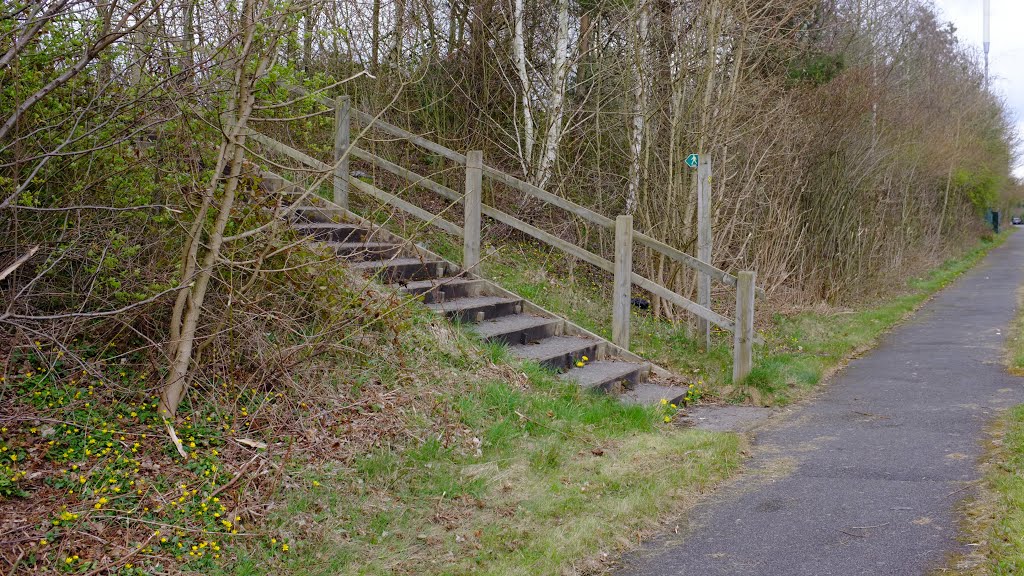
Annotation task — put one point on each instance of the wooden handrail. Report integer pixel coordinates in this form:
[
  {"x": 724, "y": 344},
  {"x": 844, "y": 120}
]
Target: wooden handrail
[
  {"x": 527, "y": 188},
  {"x": 625, "y": 235},
  {"x": 368, "y": 189},
  {"x": 370, "y": 119},
  {"x": 282, "y": 148},
  {"x": 550, "y": 239},
  {"x": 567, "y": 205}
]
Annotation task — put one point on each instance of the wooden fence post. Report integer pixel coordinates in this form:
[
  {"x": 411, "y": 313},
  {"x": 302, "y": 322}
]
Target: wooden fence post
[
  {"x": 342, "y": 125},
  {"x": 743, "y": 338},
  {"x": 704, "y": 243},
  {"x": 471, "y": 226},
  {"x": 623, "y": 281}
]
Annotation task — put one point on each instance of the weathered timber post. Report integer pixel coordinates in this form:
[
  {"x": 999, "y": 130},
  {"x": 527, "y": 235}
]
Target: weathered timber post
[
  {"x": 623, "y": 281},
  {"x": 471, "y": 226},
  {"x": 342, "y": 125},
  {"x": 743, "y": 339},
  {"x": 704, "y": 243}
]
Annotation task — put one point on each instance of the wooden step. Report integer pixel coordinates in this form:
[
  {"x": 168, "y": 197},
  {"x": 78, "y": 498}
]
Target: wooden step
[
  {"x": 651, "y": 393},
  {"x": 356, "y": 251},
  {"x": 310, "y": 214},
  {"x": 330, "y": 232},
  {"x": 517, "y": 329},
  {"x": 478, "y": 308},
  {"x": 558, "y": 352},
  {"x": 398, "y": 270},
  {"x": 441, "y": 289},
  {"x": 608, "y": 376}
]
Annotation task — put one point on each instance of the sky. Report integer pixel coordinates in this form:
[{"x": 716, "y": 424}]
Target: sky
[{"x": 1006, "y": 53}]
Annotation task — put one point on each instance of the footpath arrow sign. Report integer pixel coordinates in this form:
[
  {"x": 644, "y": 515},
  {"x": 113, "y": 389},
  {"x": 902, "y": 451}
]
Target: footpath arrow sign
[{"x": 691, "y": 160}]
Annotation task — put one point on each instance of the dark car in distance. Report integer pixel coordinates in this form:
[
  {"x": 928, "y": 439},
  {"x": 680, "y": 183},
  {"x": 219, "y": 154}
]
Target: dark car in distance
[{"x": 1016, "y": 221}]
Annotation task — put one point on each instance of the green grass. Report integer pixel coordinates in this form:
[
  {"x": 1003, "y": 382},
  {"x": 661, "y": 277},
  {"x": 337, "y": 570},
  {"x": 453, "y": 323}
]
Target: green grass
[
  {"x": 994, "y": 520},
  {"x": 1006, "y": 480},
  {"x": 536, "y": 477},
  {"x": 1015, "y": 339},
  {"x": 800, "y": 348},
  {"x": 472, "y": 463}
]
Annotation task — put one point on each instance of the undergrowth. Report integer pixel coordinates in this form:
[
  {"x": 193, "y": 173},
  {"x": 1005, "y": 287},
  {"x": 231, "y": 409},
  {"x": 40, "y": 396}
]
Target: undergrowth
[{"x": 444, "y": 457}]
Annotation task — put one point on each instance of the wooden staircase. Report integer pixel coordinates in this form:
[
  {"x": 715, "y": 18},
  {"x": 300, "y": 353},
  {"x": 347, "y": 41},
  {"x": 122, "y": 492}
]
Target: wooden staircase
[
  {"x": 484, "y": 308},
  {"x": 495, "y": 314}
]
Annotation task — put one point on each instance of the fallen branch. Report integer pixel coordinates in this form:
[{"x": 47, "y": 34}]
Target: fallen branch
[
  {"x": 236, "y": 477},
  {"x": 174, "y": 438},
  {"x": 17, "y": 263}
]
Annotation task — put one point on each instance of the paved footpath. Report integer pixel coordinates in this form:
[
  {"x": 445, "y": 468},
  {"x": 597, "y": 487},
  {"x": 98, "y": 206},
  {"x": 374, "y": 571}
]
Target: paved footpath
[{"x": 864, "y": 478}]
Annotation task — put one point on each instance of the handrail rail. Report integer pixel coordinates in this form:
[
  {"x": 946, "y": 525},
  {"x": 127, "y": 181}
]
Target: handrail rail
[
  {"x": 368, "y": 189},
  {"x": 503, "y": 217},
  {"x": 537, "y": 192},
  {"x": 550, "y": 239},
  {"x": 621, "y": 268}
]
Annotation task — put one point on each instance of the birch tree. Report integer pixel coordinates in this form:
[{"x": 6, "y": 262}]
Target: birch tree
[{"x": 641, "y": 82}]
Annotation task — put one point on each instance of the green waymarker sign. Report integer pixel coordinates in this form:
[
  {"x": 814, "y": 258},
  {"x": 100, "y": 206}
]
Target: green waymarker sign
[{"x": 691, "y": 160}]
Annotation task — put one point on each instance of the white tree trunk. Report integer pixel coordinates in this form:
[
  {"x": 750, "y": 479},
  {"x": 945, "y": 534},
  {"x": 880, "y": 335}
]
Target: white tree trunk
[
  {"x": 559, "y": 72},
  {"x": 640, "y": 92},
  {"x": 529, "y": 130}
]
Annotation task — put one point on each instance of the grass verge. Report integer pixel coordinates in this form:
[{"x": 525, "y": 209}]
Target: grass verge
[
  {"x": 1015, "y": 339},
  {"x": 994, "y": 520},
  {"x": 800, "y": 349}
]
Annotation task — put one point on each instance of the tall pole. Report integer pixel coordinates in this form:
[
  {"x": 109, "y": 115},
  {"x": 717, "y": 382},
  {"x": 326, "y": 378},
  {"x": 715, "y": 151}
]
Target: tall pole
[
  {"x": 471, "y": 226},
  {"x": 704, "y": 243},
  {"x": 986, "y": 38},
  {"x": 623, "y": 280}
]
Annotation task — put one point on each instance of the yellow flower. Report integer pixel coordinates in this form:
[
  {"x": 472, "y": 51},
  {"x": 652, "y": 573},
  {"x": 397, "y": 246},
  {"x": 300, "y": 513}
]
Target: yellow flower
[
  {"x": 668, "y": 419},
  {"x": 579, "y": 364},
  {"x": 43, "y": 542},
  {"x": 284, "y": 547},
  {"x": 664, "y": 401},
  {"x": 585, "y": 359}
]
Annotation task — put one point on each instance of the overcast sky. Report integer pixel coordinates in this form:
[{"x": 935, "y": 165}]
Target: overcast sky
[{"x": 1006, "y": 55}]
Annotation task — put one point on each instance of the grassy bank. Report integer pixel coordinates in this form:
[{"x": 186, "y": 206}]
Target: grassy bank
[
  {"x": 800, "y": 348},
  {"x": 445, "y": 458},
  {"x": 544, "y": 480}
]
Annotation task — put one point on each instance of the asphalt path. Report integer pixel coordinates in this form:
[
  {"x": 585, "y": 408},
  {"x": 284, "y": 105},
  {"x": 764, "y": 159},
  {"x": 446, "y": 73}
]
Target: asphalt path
[{"x": 865, "y": 477}]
